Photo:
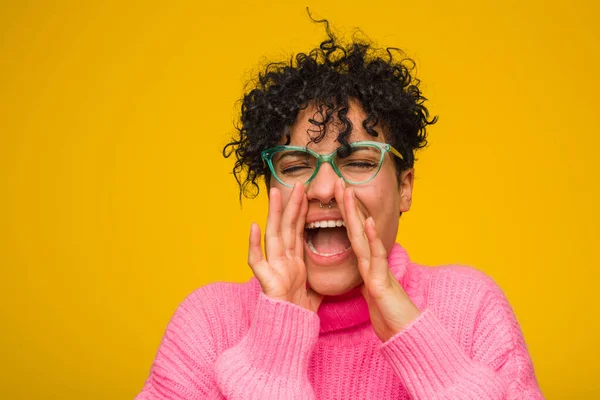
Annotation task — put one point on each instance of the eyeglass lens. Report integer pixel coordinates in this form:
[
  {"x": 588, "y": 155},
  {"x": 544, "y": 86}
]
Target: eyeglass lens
[{"x": 358, "y": 165}]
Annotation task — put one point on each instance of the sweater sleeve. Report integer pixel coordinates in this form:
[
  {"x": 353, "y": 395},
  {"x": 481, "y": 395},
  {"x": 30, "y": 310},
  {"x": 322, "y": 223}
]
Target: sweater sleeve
[
  {"x": 270, "y": 361},
  {"x": 432, "y": 365}
]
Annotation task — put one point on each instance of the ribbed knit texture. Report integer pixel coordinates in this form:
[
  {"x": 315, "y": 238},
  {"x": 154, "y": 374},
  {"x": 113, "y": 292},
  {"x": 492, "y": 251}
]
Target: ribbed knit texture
[{"x": 230, "y": 341}]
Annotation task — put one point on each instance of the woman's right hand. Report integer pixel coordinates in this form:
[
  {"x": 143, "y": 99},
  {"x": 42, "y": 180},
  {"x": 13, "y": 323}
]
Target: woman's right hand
[{"x": 282, "y": 274}]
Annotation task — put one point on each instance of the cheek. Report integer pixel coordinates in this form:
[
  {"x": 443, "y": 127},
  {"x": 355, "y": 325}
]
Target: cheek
[
  {"x": 383, "y": 206},
  {"x": 382, "y": 202}
]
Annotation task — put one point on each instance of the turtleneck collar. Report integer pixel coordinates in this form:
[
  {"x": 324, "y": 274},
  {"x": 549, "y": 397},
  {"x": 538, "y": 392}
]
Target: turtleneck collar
[{"x": 337, "y": 313}]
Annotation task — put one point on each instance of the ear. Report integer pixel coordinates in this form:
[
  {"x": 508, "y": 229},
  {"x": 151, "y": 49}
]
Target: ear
[{"x": 405, "y": 189}]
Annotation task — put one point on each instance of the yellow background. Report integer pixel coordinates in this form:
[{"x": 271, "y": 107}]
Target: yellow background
[{"x": 116, "y": 202}]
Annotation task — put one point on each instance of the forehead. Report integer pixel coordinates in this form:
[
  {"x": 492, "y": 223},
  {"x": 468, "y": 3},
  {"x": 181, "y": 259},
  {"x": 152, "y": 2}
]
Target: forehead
[{"x": 302, "y": 130}]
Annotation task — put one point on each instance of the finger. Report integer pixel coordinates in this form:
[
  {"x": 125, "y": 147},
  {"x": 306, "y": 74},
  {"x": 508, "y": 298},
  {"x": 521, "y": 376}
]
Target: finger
[
  {"x": 361, "y": 215},
  {"x": 340, "y": 185},
  {"x": 256, "y": 261},
  {"x": 356, "y": 231},
  {"x": 273, "y": 243},
  {"x": 254, "y": 247},
  {"x": 353, "y": 213},
  {"x": 300, "y": 227},
  {"x": 379, "y": 267},
  {"x": 289, "y": 219}
]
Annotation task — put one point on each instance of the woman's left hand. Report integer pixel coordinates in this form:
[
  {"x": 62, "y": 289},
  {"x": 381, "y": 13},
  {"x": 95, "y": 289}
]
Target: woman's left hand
[{"x": 390, "y": 308}]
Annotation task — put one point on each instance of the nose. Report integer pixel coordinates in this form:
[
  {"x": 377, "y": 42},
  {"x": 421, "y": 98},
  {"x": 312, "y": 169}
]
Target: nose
[{"x": 322, "y": 187}]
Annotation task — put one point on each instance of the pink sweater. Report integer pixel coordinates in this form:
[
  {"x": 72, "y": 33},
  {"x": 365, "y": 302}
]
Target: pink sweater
[{"x": 230, "y": 341}]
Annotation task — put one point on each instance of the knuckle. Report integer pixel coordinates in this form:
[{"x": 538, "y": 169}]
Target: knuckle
[
  {"x": 380, "y": 253},
  {"x": 356, "y": 235},
  {"x": 364, "y": 261}
]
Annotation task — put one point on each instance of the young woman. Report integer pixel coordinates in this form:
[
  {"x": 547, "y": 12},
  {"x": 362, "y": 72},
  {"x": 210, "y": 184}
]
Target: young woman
[{"x": 337, "y": 310}]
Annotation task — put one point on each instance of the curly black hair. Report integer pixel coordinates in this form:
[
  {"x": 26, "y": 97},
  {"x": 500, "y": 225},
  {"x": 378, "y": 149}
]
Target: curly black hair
[{"x": 329, "y": 77}]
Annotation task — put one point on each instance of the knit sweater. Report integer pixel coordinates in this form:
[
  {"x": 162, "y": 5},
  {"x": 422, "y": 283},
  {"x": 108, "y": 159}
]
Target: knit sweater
[{"x": 230, "y": 341}]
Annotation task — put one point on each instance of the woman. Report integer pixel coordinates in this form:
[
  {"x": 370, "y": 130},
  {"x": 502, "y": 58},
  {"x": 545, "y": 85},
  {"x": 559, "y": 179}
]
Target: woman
[{"x": 337, "y": 309}]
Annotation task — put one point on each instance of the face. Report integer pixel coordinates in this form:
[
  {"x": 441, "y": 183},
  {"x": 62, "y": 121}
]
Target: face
[{"x": 383, "y": 198}]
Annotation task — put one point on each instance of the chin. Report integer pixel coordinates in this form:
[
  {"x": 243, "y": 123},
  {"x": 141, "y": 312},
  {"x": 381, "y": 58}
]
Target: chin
[{"x": 334, "y": 281}]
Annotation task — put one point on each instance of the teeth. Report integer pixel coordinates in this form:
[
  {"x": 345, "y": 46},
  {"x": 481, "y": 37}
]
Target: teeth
[
  {"x": 326, "y": 224},
  {"x": 312, "y": 248}
]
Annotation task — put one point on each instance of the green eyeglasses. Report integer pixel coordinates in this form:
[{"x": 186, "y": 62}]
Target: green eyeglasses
[{"x": 356, "y": 165}]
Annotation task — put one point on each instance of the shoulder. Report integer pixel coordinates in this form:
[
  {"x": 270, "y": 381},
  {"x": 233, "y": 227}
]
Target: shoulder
[
  {"x": 217, "y": 307},
  {"x": 457, "y": 278},
  {"x": 221, "y": 296},
  {"x": 459, "y": 288},
  {"x": 222, "y": 293},
  {"x": 471, "y": 306}
]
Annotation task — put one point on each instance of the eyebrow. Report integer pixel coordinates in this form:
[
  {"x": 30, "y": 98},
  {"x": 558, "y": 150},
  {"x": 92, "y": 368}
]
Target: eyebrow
[{"x": 293, "y": 153}]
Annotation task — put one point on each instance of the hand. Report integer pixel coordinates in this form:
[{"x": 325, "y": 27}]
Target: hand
[
  {"x": 282, "y": 275},
  {"x": 390, "y": 308}
]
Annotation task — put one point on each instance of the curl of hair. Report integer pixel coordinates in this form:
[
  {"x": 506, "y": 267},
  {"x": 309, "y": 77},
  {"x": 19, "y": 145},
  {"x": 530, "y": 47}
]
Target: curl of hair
[{"x": 330, "y": 76}]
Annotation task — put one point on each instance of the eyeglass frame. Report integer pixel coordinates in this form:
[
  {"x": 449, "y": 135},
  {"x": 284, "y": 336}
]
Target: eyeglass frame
[{"x": 267, "y": 156}]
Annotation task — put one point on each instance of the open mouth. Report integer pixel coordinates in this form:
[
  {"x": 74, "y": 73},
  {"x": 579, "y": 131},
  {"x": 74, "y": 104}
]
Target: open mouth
[{"x": 327, "y": 238}]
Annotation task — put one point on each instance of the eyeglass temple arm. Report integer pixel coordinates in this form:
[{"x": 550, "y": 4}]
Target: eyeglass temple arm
[{"x": 396, "y": 153}]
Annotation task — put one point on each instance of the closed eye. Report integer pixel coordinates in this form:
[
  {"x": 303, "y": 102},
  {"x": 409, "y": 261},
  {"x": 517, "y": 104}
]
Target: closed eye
[
  {"x": 360, "y": 164},
  {"x": 294, "y": 168}
]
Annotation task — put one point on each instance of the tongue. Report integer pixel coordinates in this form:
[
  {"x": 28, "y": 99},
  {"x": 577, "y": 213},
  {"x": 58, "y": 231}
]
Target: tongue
[{"x": 330, "y": 240}]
